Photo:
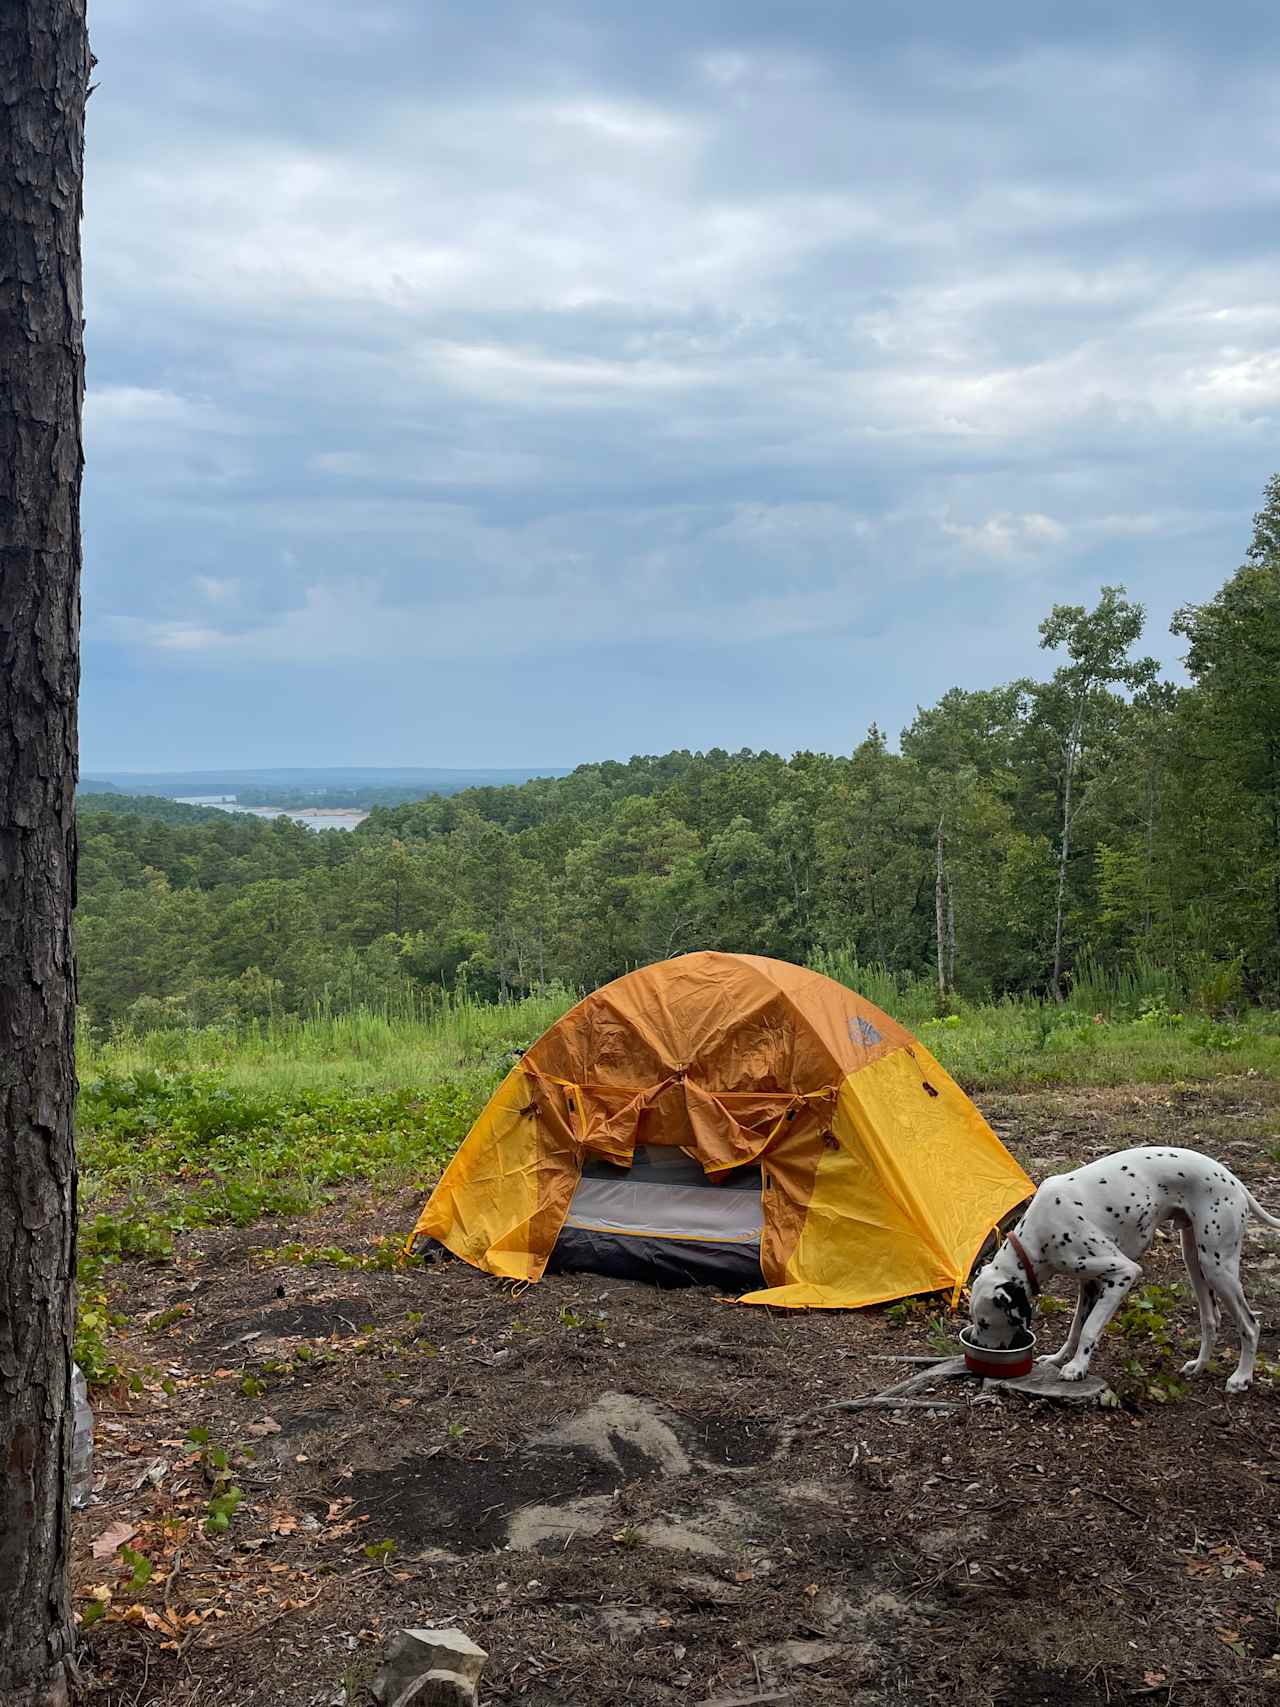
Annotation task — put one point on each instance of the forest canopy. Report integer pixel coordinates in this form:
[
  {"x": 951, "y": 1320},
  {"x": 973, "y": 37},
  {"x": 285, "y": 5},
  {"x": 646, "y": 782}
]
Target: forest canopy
[{"x": 1097, "y": 812}]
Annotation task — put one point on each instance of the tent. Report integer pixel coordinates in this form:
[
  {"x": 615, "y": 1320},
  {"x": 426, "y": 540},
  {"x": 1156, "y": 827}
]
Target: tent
[{"x": 728, "y": 1118}]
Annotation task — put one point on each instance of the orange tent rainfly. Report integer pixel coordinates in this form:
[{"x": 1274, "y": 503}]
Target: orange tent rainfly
[{"x": 727, "y": 1118}]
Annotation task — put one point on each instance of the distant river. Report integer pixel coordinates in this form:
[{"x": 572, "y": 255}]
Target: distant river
[{"x": 318, "y": 818}]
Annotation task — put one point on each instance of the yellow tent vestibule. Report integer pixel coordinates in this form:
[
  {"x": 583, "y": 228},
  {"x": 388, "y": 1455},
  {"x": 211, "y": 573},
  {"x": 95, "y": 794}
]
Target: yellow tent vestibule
[{"x": 732, "y": 1119}]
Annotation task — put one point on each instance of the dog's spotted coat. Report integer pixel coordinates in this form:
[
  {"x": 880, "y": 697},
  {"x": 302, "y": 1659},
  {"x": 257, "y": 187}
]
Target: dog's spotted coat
[{"x": 1096, "y": 1223}]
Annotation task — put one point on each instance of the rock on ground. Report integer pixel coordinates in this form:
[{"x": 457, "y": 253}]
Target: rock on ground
[{"x": 448, "y": 1660}]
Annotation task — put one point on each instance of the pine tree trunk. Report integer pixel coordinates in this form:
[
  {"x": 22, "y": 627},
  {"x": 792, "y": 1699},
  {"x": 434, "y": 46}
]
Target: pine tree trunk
[
  {"x": 44, "y": 73},
  {"x": 1064, "y": 854},
  {"x": 940, "y": 917}
]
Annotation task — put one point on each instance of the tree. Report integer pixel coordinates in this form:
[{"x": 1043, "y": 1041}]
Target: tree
[
  {"x": 963, "y": 747},
  {"x": 875, "y": 844},
  {"x": 44, "y": 78},
  {"x": 1234, "y": 658},
  {"x": 1080, "y": 701}
]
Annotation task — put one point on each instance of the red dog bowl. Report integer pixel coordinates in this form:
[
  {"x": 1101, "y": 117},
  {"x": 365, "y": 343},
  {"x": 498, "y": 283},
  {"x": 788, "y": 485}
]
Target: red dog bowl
[{"x": 999, "y": 1363}]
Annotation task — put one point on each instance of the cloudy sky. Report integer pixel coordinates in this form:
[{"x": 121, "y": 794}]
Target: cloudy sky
[{"x": 500, "y": 382}]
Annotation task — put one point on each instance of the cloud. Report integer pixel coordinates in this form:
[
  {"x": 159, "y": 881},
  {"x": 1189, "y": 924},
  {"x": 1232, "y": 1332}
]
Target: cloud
[
  {"x": 1007, "y": 537},
  {"x": 515, "y": 331}
]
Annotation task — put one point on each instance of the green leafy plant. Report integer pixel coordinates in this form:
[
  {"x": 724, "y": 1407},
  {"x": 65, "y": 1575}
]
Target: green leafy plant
[
  {"x": 1145, "y": 1315},
  {"x": 1155, "y": 1013},
  {"x": 222, "y": 1508},
  {"x": 941, "y": 1337},
  {"x": 139, "y": 1565},
  {"x": 905, "y": 1311}
]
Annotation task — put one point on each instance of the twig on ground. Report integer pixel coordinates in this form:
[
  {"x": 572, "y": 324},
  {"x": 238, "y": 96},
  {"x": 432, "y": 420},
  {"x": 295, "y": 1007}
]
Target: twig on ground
[
  {"x": 238, "y": 1635},
  {"x": 888, "y": 1402},
  {"x": 746, "y": 1700},
  {"x": 172, "y": 1578},
  {"x": 1133, "y": 1511}
]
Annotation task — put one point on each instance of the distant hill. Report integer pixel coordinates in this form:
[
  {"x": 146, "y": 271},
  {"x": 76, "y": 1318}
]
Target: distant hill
[
  {"x": 301, "y": 786},
  {"x": 154, "y": 806}
]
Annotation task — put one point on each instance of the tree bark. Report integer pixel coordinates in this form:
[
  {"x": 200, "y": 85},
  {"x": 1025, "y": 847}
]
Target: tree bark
[
  {"x": 44, "y": 75},
  {"x": 1064, "y": 854},
  {"x": 940, "y": 915}
]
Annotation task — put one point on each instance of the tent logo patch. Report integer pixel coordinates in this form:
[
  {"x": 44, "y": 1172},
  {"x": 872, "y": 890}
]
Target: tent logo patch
[{"x": 862, "y": 1031}]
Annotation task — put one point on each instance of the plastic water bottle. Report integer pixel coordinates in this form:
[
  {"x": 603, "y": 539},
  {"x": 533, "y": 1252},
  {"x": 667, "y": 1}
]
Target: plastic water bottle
[{"x": 81, "y": 1442}]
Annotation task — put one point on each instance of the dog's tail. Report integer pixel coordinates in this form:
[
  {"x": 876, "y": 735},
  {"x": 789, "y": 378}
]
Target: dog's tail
[{"x": 1259, "y": 1211}]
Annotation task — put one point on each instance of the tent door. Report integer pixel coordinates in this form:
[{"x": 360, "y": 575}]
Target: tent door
[{"x": 661, "y": 1220}]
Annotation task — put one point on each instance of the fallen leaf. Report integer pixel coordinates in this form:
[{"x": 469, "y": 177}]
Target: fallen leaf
[
  {"x": 113, "y": 1538},
  {"x": 265, "y": 1426},
  {"x": 1153, "y": 1679}
]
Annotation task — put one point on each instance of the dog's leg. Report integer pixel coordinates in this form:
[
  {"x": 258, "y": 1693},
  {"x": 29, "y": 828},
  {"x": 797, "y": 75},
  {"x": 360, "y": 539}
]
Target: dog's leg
[
  {"x": 1229, "y": 1289},
  {"x": 1086, "y": 1298},
  {"x": 1205, "y": 1299},
  {"x": 1112, "y": 1275},
  {"x": 1224, "y": 1277}
]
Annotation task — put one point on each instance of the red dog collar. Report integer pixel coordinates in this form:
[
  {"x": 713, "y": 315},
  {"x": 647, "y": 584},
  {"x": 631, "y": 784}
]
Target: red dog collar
[{"x": 1028, "y": 1267}]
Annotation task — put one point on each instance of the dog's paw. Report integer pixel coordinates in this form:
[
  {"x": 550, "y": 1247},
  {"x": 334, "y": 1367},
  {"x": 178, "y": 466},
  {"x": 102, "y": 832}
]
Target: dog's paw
[
  {"x": 1075, "y": 1370},
  {"x": 1195, "y": 1367},
  {"x": 1053, "y": 1359},
  {"x": 1238, "y": 1383}
]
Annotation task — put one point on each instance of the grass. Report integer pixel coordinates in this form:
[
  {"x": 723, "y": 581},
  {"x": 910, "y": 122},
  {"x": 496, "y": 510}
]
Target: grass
[
  {"x": 361, "y": 1051},
  {"x": 187, "y": 1129},
  {"x": 1019, "y": 1046}
]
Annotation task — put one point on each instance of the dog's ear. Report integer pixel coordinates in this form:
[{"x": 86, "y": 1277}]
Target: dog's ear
[{"x": 1011, "y": 1296}]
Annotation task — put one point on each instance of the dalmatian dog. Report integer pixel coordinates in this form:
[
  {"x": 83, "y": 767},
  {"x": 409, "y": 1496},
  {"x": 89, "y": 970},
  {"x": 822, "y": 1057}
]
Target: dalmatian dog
[{"x": 1096, "y": 1224}]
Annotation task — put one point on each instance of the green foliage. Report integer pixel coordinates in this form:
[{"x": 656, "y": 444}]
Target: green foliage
[
  {"x": 1096, "y": 830},
  {"x": 222, "y": 1508},
  {"x": 157, "y": 808},
  {"x": 269, "y": 1013},
  {"x": 571, "y": 1319},
  {"x": 1144, "y": 1323},
  {"x": 906, "y": 1310},
  {"x": 1144, "y": 1316},
  {"x": 387, "y": 1254},
  {"x": 255, "y": 1152},
  {"x": 941, "y": 1335},
  {"x": 140, "y": 1567},
  {"x": 226, "y": 1495}
]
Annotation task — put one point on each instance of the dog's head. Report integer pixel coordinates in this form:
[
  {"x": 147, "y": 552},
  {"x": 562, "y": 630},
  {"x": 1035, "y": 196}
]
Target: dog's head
[{"x": 1000, "y": 1307}]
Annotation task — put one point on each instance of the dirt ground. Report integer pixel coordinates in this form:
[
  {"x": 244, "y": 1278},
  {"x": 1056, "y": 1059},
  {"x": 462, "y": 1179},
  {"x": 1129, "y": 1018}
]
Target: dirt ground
[{"x": 627, "y": 1495}]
